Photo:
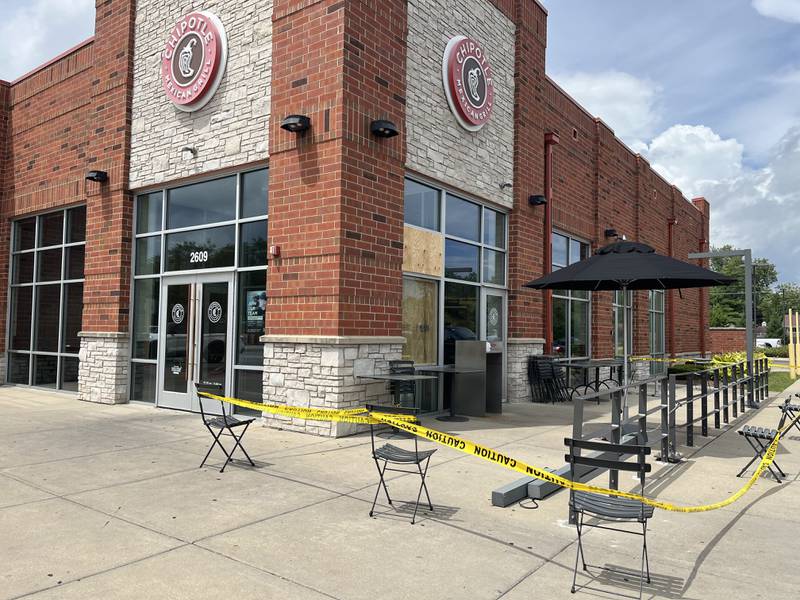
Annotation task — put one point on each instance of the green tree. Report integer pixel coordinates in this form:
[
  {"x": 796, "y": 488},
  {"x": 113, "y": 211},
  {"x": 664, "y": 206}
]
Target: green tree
[
  {"x": 728, "y": 302},
  {"x": 783, "y": 297}
]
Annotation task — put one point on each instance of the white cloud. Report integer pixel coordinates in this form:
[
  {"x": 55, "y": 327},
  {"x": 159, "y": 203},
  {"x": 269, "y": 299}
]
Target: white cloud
[
  {"x": 785, "y": 10},
  {"x": 626, "y": 103},
  {"x": 36, "y": 31},
  {"x": 692, "y": 157},
  {"x": 750, "y": 208}
]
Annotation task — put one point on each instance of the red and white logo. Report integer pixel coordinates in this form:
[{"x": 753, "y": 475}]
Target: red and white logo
[
  {"x": 468, "y": 82},
  {"x": 194, "y": 60}
]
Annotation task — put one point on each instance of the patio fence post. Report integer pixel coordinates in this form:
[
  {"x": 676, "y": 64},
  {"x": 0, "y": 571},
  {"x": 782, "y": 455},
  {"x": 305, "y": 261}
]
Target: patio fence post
[
  {"x": 690, "y": 409},
  {"x": 742, "y": 386},
  {"x": 716, "y": 398},
  {"x": 725, "y": 385},
  {"x": 734, "y": 391},
  {"x": 665, "y": 454},
  {"x": 751, "y": 399},
  {"x": 616, "y": 433},
  {"x": 704, "y": 403},
  {"x": 642, "y": 413},
  {"x": 673, "y": 445},
  {"x": 766, "y": 383}
]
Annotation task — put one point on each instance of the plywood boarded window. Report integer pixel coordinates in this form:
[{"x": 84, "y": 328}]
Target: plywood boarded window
[{"x": 420, "y": 302}]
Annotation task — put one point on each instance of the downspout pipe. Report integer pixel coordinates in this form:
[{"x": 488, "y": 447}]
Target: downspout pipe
[{"x": 550, "y": 139}]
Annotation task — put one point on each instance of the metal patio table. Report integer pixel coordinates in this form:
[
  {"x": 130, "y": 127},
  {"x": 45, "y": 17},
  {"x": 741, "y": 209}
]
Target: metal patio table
[
  {"x": 587, "y": 364},
  {"x": 449, "y": 370}
]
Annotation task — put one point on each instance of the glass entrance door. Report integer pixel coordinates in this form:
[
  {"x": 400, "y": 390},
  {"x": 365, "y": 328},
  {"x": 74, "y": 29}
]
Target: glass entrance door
[{"x": 196, "y": 331}]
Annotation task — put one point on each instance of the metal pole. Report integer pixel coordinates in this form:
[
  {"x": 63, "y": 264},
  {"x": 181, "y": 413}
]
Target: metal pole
[{"x": 792, "y": 372}]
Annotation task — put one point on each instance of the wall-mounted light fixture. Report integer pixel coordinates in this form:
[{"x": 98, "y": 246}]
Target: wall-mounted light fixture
[
  {"x": 383, "y": 129},
  {"x": 537, "y": 200},
  {"x": 296, "y": 123},
  {"x": 506, "y": 185},
  {"x": 189, "y": 150},
  {"x": 98, "y": 176},
  {"x": 609, "y": 233}
]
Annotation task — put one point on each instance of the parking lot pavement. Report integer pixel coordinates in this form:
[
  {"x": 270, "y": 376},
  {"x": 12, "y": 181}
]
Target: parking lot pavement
[{"x": 108, "y": 502}]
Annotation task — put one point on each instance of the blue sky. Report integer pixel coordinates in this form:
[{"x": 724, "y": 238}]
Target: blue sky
[{"x": 708, "y": 90}]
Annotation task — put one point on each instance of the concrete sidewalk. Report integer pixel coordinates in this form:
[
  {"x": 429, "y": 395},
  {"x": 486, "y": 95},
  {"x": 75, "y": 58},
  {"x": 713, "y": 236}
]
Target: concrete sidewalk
[{"x": 108, "y": 502}]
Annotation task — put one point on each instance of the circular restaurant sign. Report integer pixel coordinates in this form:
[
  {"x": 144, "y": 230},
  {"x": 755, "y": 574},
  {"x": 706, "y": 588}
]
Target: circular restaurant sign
[
  {"x": 194, "y": 60},
  {"x": 468, "y": 82}
]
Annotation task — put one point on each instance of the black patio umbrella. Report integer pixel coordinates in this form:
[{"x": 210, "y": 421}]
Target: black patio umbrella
[{"x": 627, "y": 266}]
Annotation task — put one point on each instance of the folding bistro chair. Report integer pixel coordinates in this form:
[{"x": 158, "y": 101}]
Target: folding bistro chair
[
  {"x": 388, "y": 454},
  {"x": 609, "y": 508},
  {"x": 223, "y": 424},
  {"x": 760, "y": 438}
]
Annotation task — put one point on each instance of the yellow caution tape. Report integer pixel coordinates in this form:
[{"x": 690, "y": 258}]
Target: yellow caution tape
[{"x": 408, "y": 423}]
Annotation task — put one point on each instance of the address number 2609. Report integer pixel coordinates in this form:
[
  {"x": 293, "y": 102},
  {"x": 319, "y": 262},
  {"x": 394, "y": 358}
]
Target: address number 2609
[{"x": 200, "y": 256}]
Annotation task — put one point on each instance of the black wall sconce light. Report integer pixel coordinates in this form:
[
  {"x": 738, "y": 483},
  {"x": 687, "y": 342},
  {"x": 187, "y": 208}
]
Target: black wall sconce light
[
  {"x": 611, "y": 233},
  {"x": 296, "y": 123},
  {"x": 537, "y": 200},
  {"x": 97, "y": 176},
  {"x": 383, "y": 129}
]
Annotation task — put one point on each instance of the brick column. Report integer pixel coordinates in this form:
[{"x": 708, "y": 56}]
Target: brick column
[
  {"x": 336, "y": 203},
  {"x": 526, "y": 223},
  {"x": 104, "y": 351},
  {"x": 5, "y": 177}
]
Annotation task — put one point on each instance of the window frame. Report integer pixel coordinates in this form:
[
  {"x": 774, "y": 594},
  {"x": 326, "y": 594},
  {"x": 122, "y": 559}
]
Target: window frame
[
  {"x": 656, "y": 316},
  {"x": 163, "y": 232},
  {"x": 62, "y": 282},
  {"x": 616, "y": 305},
  {"x": 569, "y": 296}
]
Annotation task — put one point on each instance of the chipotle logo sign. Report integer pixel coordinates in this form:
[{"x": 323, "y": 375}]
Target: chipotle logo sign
[
  {"x": 468, "y": 82},
  {"x": 194, "y": 60}
]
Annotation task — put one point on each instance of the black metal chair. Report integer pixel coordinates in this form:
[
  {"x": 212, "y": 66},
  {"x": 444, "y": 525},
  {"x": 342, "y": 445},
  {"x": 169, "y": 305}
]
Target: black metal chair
[
  {"x": 760, "y": 438},
  {"x": 609, "y": 508},
  {"x": 389, "y": 454},
  {"x": 223, "y": 424},
  {"x": 399, "y": 389}
]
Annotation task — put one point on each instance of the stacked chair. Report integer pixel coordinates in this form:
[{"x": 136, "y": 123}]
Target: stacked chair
[{"x": 548, "y": 380}]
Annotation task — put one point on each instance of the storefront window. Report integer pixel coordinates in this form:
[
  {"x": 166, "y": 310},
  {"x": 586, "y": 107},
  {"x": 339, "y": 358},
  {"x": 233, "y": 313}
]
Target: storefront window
[
  {"x": 571, "y": 308},
  {"x": 619, "y": 310},
  {"x": 460, "y": 316},
  {"x": 461, "y": 261},
  {"x": 463, "y": 219},
  {"x": 421, "y": 205},
  {"x": 656, "y": 322},
  {"x": 47, "y": 299},
  {"x": 240, "y": 202},
  {"x": 420, "y": 310}
]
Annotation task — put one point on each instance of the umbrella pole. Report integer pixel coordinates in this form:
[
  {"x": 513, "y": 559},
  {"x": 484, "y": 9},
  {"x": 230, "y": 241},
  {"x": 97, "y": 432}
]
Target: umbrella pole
[{"x": 624, "y": 352}]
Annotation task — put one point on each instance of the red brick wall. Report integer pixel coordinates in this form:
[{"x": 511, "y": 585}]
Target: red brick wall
[
  {"x": 726, "y": 339},
  {"x": 336, "y": 193},
  {"x": 68, "y": 117}
]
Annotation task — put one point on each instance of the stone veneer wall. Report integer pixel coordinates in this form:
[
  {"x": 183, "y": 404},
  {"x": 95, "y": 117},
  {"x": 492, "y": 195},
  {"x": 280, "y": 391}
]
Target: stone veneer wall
[
  {"x": 103, "y": 368},
  {"x": 519, "y": 349},
  {"x": 322, "y": 372},
  {"x": 232, "y": 129},
  {"x": 477, "y": 162}
]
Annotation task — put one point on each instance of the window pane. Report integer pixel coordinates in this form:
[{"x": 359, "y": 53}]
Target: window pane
[
  {"x": 51, "y": 229},
  {"x": 420, "y": 309},
  {"x": 75, "y": 259},
  {"x": 143, "y": 382},
  {"x": 176, "y": 332},
  {"x": 202, "y": 249},
  {"x": 76, "y": 224},
  {"x": 73, "y": 315},
  {"x": 249, "y": 386},
  {"x": 421, "y": 205},
  {"x": 18, "y": 366},
  {"x": 148, "y": 212},
  {"x": 574, "y": 251},
  {"x": 69, "y": 373},
  {"x": 253, "y": 240},
  {"x": 46, "y": 318},
  {"x": 494, "y": 228},
  {"x": 21, "y": 305},
  {"x": 461, "y": 261},
  {"x": 560, "y": 244},
  {"x": 145, "y": 318},
  {"x": 460, "y": 316},
  {"x": 148, "y": 255},
  {"x": 579, "y": 333},
  {"x": 45, "y": 370},
  {"x": 23, "y": 268},
  {"x": 25, "y": 234},
  {"x": 494, "y": 267},
  {"x": 494, "y": 318},
  {"x": 255, "y": 190},
  {"x": 252, "y": 307},
  {"x": 201, "y": 203},
  {"x": 463, "y": 219},
  {"x": 49, "y": 267},
  {"x": 583, "y": 294},
  {"x": 560, "y": 326}
]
